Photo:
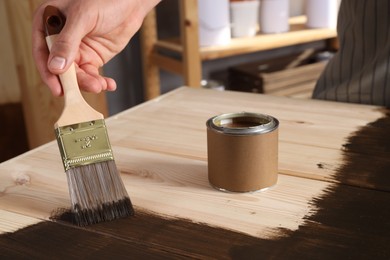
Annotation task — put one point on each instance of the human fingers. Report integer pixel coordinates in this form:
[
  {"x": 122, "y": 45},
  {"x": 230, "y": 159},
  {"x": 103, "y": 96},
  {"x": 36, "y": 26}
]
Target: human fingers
[
  {"x": 90, "y": 80},
  {"x": 66, "y": 46}
]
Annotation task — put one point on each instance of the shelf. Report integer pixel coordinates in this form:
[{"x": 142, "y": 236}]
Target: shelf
[
  {"x": 298, "y": 34},
  {"x": 184, "y": 56}
]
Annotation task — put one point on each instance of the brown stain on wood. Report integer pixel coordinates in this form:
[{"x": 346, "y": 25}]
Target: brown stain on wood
[
  {"x": 352, "y": 222},
  {"x": 367, "y": 156},
  {"x": 353, "y": 217}
]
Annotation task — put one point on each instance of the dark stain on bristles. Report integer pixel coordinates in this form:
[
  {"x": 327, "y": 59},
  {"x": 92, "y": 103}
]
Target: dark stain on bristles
[
  {"x": 106, "y": 212},
  {"x": 352, "y": 221}
]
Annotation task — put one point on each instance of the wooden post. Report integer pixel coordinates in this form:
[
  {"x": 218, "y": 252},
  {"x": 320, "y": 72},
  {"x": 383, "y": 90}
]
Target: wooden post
[
  {"x": 150, "y": 70},
  {"x": 190, "y": 41}
]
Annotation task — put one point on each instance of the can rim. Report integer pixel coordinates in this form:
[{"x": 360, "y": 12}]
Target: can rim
[{"x": 243, "y": 123}]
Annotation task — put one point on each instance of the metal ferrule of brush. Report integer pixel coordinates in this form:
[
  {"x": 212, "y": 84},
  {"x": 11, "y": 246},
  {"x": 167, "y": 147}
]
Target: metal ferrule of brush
[{"x": 83, "y": 144}]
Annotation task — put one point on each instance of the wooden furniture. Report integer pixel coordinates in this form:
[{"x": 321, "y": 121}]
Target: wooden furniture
[
  {"x": 292, "y": 76},
  {"x": 331, "y": 199},
  {"x": 20, "y": 80},
  {"x": 156, "y": 52}
]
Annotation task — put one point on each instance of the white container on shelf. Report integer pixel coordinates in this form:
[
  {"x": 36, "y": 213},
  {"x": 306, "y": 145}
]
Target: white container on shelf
[
  {"x": 297, "y": 7},
  {"x": 274, "y": 15},
  {"x": 214, "y": 22},
  {"x": 322, "y": 13},
  {"x": 244, "y": 17}
]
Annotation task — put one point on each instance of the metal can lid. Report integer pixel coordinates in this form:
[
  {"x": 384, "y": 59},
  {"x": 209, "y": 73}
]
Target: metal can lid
[{"x": 243, "y": 123}]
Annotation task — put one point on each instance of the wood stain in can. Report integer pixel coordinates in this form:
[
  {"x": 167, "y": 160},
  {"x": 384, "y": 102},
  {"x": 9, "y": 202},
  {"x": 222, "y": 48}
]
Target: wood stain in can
[{"x": 242, "y": 151}]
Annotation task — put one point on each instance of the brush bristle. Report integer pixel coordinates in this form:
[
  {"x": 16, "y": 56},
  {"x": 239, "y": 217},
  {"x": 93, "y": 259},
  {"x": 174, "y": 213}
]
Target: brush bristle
[{"x": 97, "y": 193}]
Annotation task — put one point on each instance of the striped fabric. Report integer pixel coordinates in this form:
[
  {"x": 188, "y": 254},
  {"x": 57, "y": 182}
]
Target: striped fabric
[{"x": 360, "y": 71}]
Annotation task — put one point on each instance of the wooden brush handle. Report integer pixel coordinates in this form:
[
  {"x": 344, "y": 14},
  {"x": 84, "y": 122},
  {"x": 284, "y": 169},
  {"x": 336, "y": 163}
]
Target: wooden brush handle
[{"x": 76, "y": 109}]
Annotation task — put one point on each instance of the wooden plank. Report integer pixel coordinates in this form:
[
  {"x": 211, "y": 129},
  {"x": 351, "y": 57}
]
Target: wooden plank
[
  {"x": 190, "y": 39},
  {"x": 293, "y": 76},
  {"x": 348, "y": 225},
  {"x": 312, "y": 135},
  {"x": 48, "y": 240},
  {"x": 11, "y": 222},
  {"x": 180, "y": 215},
  {"x": 297, "y": 117},
  {"x": 167, "y": 63},
  {"x": 155, "y": 182},
  {"x": 300, "y": 80},
  {"x": 172, "y": 44},
  {"x": 304, "y": 89},
  {"x": 298, "y": 34},
  {"x": 171, "y": 129},
  {"x": 150, "y": 68}
]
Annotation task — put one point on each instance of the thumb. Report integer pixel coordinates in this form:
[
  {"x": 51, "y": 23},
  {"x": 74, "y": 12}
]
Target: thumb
[{"x": 66, "y": 46}]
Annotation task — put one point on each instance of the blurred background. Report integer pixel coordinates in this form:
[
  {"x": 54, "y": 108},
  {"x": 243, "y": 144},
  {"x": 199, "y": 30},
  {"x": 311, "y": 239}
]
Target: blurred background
[{"x": 228, "y": 53}]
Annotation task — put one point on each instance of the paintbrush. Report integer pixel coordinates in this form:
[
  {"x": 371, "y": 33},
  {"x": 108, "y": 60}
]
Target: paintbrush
[{"x": 96, "y": 190}]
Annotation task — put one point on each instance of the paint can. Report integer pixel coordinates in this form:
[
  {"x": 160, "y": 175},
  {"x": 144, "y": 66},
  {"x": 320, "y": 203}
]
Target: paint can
[{"x": 242, "y": 151}]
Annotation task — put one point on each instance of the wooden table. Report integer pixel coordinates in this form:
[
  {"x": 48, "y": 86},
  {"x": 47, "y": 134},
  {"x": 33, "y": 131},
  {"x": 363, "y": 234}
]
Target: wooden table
[{"x": 332, "y": 198}]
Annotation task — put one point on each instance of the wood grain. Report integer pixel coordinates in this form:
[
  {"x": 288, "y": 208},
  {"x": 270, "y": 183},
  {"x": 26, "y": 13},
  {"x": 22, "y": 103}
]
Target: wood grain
[
  {"x": 11, "y": 222},
  {"x": 36, "y": 189},
  {"x": 161, "y": 144},
  {"x": 311, "y": 132},
  {"x": 316, "y": 210}
]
